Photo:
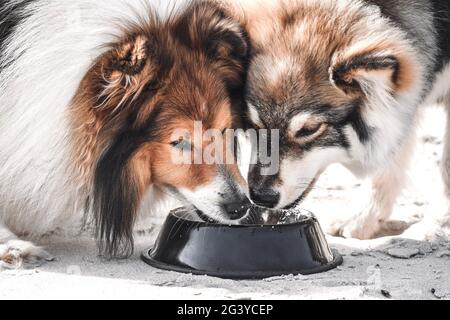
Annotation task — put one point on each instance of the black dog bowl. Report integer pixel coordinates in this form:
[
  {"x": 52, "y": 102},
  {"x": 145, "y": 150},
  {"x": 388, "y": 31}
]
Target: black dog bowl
[{"x": 295, "y": 246}]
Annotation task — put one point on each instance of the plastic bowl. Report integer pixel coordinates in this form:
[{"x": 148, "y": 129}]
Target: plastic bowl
[{"x": 295, "y": 246}]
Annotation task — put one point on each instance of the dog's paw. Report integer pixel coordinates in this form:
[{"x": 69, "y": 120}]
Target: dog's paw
[
  {"x": 367, "y": 230},
  {"x": 428, "y": 230},
  {"x": 354, "y": 229},
  {"x": 17, "y": 254},
  {"x": 362, "y": 229},
  {"x": 392, "y": 228}
]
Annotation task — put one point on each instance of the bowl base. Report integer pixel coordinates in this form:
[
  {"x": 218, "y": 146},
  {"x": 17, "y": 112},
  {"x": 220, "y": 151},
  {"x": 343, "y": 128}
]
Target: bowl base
[{"x": 146, "y": 257}]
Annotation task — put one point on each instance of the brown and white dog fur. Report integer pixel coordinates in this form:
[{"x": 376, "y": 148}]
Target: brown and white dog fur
[
  {"x": 343, "y": 81},
  {"x": 90, "y": 95}
]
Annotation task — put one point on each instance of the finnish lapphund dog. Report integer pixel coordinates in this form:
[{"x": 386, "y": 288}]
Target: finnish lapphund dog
[
  {"x": 342, "y": 81},
  {"x": 90, "y": 94}
]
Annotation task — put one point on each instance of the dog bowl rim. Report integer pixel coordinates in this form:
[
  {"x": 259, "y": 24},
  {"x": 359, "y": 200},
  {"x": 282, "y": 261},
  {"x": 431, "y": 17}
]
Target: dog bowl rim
[
  {"x": 310, "y": 217},
  {"x": 254, "y": 275}
]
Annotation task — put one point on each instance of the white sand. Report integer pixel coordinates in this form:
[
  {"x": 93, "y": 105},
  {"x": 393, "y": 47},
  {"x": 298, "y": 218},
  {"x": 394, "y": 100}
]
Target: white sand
[{"x": 369, "y": 268}]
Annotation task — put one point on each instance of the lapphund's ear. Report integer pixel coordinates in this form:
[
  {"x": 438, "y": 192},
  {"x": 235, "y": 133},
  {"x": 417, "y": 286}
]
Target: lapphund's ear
[
  {"x": 122, "y": 176},
  {"x": 357, "y": 73},
  {"x": 208, "y": 28}
]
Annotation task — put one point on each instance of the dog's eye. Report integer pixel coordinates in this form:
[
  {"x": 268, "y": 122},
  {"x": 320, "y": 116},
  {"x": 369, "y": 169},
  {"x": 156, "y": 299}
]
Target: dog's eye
[
  {"x": 310, "y": 130},
  {"x": 181, "y": 144}
]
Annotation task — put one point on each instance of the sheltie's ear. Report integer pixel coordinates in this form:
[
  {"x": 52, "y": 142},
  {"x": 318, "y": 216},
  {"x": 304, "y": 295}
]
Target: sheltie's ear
[
  {"x": 123, "y": 72},
  {"x": 207, "y": 28},
  {"x": 122, "y": 176},
  {"x": 356, "y": 73},
  {"x": 129, "y": 57}
]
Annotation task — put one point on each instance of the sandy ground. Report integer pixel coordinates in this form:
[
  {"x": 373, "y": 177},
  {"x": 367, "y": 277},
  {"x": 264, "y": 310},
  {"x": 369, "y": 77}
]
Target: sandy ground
[{"x": 372, "y": 269}]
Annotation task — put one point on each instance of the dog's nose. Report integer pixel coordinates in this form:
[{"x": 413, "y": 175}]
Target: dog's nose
[
  {"x": 238, "y": 209},
  {"x": 268, "y": 198}
]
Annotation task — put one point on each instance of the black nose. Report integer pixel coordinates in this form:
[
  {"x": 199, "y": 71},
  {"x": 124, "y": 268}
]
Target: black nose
[
  {"x": 268, "y": 198},
  {"x": 238, "y": 209}
]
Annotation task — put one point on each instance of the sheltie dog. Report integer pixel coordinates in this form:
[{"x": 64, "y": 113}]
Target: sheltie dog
[
  {"x": 342, "y": 81},
  {"x": 91, "y": 93}
]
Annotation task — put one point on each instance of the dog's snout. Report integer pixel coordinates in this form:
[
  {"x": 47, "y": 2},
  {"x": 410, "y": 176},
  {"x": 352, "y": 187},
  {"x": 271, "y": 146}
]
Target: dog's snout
[
  {"x": 237, "y": 209},
  {"x": 268, "y": 198},
  {"x": 262, "y": 192}
]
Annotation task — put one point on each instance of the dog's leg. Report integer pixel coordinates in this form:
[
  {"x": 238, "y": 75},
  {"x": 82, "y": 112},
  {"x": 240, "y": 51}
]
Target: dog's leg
[
  {"x": 435, "y": 225},
  {"x": 446, "y": 153},
  {"x": 15, "y": 253},
  {"x": 386, "y": 187}
]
